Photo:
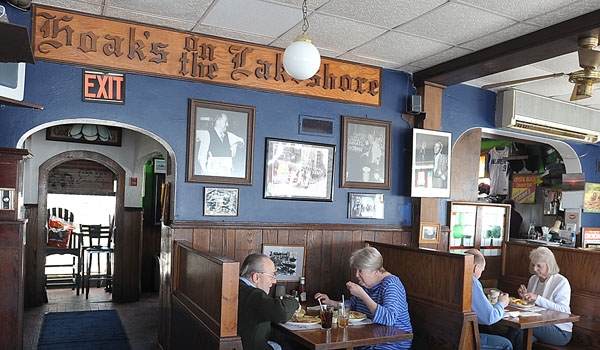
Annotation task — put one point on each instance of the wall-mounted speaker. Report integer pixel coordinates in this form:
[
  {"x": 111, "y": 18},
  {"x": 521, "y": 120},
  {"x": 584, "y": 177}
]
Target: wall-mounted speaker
[{"x": 413, "y": 104}]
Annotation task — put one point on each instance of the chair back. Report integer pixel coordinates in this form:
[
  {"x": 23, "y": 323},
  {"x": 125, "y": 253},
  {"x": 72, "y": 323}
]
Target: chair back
[
  {"x": 97, "y": 234},
  {"x": 62, "y": 213}
]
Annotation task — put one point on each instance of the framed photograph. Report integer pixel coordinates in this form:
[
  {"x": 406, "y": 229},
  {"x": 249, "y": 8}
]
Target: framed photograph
[
  {"x": 221, "y": 201},
  {"x": 298, "y": 170},
  {"x": 288, "y": 259},
  {"x": 431, "y": 155},
  {"x": 429, "y": 232},
  {"x": 365, "y": 205},
  {"x": 220, "y": 143},
  {"x": 366, "y": 153}
]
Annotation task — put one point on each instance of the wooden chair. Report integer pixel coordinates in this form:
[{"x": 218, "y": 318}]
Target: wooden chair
[
  {"x": 100, "y": 242},
  {"x": 69, "y": 245}
]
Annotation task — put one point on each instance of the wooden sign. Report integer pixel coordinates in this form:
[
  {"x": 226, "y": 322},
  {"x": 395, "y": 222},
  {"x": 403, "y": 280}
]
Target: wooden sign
[{"x": 81, "y": 39}]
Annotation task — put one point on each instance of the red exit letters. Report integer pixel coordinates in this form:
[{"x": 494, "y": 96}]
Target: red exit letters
[{"x": 103, "y": 87}]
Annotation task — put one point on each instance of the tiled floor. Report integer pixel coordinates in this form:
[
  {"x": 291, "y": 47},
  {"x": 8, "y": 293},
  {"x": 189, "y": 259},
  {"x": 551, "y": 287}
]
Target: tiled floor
[{"x": 140, "y": 318}]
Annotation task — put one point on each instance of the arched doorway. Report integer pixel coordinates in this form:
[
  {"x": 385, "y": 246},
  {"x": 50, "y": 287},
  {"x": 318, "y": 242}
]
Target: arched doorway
[{"x": 121, "y": 240}]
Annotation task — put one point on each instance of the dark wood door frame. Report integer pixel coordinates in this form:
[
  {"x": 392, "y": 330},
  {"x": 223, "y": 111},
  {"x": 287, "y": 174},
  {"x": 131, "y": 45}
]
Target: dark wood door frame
[{"x": 44, "y": 171}]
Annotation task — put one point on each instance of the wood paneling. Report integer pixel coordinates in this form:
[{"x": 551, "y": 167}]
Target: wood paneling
[{"x": 11, "y": 288}]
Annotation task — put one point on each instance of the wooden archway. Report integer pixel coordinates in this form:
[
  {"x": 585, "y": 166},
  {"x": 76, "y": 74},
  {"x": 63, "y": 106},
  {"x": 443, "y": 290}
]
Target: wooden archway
[{"x": 120, "y": 239}]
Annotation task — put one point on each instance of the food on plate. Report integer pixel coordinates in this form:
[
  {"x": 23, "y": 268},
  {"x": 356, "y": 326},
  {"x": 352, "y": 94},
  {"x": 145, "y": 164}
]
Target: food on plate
[
  {"x": 356, "y": 315},
  {"x": 517, "y": 301},
  {"x": 305, "y": 319}
]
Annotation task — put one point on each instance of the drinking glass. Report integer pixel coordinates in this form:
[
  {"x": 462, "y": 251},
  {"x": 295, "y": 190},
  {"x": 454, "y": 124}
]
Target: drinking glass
[{"x": 326, "y": 315}]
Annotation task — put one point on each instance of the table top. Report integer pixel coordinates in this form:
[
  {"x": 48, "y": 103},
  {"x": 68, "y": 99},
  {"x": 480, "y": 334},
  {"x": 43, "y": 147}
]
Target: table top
[
  {"x": 345, "y": 337},
  {"x": 545, "y": 317}
]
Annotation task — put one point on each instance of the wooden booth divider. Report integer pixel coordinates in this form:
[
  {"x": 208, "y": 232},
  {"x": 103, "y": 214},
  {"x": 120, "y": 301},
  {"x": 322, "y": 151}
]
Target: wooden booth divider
[
  {"x": 580, "y": 267},
  {"x": 438, "y": 289},
  {"x": 204, "y": 302}
]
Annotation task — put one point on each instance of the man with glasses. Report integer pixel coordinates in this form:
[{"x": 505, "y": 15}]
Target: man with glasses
[{"x": 256, "y": 308}]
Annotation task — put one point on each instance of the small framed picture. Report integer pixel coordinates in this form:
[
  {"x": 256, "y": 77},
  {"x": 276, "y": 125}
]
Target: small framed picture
[
  {"x": 288, "y": 260},
  {"x": 429, "y": 232},
  {"x": 221, "y": 201},
  {"x": 365, "y": 205},
  {"x": 431, "y": 157}
]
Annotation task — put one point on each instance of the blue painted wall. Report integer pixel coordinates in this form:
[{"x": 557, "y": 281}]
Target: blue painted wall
[{"x": 161, "y": 106}]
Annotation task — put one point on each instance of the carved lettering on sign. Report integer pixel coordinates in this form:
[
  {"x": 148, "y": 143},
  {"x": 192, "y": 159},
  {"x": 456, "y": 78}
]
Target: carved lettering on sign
[{"x": 76, "y": 38}]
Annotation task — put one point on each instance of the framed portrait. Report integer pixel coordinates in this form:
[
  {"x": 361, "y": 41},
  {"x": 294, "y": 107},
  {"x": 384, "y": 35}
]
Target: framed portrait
[
  {"x": 365, "y": 205},
  {"x": 220, "y": 143},
  {"x": 288, "y": 259},
  {"x": 429, "y": 232},
  {"x": 431, "y": 156},
  {"x": 298, "y": 170},
  {"x": 221, "y": 201},
  {"x": 366, "y": 153}
]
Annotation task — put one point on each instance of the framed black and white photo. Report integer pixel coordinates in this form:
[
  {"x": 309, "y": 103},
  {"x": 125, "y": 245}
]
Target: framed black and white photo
[
  {"x": 221, "y": 201},
  {"x": 365, "y": 205},
  {"x": 431, "y": 156},
  {"x": 298, "y": 170},
  {"x": 288, "y": 260},
  {"x": 220, "y": 143},
  {"x": 366, "y": 153},
  {"x": 429, "y": 232}
]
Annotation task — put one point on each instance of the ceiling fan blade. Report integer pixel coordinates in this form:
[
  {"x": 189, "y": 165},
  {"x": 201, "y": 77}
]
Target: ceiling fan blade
[
  {"x": 582, "y": 91},
  {"x": 588, "y": 58},
  {"x": 520, "y": 81}
]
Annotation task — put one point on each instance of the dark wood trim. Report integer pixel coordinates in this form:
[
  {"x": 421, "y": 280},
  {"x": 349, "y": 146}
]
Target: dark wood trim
[
  {"x": 36, "y": 247},
  {"x": 262, "y": 226},
  {"x": 546, "y": 43}
]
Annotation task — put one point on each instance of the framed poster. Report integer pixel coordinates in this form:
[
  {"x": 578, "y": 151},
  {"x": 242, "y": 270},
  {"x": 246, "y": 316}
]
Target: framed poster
[
  {"x": 365, "y": 205},
  {"x": 288, "y": 259},
  {"x": 221, "y": 201},
  {"x": 591, "y": 198},
  {"x": 366, "y": 153},
  {"x": 220, "y": 143},
  {"x": 429, "y": 232},
  {"x": 431, "y": 157},
  {"x": 298, "y": 170}
]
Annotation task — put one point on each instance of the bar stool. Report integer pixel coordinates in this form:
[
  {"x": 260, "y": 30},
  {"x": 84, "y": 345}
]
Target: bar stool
[{"x": 96, "y": 234}]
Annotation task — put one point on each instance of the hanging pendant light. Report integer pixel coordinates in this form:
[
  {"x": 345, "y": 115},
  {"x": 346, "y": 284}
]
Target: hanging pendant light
[{"x": 301, "y": 59}]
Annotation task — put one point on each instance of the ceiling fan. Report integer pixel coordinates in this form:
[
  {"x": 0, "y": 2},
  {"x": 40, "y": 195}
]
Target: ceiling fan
[{"x": 584, "y": 79}]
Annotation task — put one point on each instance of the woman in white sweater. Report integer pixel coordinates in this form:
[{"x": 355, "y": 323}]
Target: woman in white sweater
[{"x": 549, "y": 289}]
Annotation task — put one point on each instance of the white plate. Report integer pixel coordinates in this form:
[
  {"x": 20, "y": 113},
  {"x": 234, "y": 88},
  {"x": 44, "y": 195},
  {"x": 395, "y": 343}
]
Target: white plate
[
  {"x": 521, "y": 306},
  {"x": 303, "y": 323},
  {"x": 356, "y": 320}
]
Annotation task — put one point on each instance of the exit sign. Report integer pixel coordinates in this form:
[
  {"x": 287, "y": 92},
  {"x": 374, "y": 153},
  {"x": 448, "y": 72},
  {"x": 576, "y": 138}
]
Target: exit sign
[{"x": 103, "y": 87}]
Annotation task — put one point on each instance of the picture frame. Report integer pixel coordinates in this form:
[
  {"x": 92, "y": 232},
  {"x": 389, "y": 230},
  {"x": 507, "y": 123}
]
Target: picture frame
[
  {"x": 288, "y": 260},
  {"x": 431, "y": 163},
  {"x": 63, "y": 133},
  {"x": 298, "y": 170},
  {"x": 429, "y": 232},
  {"x": 220, "y": 142},
  {"x": 365, "y": 206},
  {"x": 219, "y": 201},
  {"x": 366, "y": 153}
]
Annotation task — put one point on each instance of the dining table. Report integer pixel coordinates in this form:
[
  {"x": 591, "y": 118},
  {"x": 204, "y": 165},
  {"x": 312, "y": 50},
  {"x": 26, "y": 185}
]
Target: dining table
[
  {"x": 533, "y": 316},
  {"x": 312, "y": 336}
]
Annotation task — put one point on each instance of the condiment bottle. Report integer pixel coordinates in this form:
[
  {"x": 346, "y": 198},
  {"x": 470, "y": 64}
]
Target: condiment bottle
[{"x": 302, "y": 289}]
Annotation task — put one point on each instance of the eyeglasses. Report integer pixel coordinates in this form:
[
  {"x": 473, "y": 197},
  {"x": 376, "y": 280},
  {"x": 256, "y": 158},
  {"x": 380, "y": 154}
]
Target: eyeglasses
[{"x": 268, "y": 274}]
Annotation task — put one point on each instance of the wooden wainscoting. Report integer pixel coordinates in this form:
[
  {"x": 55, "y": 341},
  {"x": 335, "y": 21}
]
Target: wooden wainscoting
[{"x": 327, "y": 250}]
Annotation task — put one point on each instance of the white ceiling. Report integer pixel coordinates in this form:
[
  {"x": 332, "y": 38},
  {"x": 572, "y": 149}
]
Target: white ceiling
[{"x": 395, "y": 34}]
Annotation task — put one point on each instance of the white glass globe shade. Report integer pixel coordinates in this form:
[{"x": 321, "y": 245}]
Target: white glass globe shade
[{"x": 301, "y": 60}]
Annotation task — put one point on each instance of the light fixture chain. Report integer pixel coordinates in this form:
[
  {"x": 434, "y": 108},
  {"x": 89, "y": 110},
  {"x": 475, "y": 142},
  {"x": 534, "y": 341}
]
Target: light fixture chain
[{"x": 304, "y": 17}]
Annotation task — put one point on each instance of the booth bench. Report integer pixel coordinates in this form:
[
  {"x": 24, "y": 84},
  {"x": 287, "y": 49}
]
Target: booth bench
[
  {"x": 438, "y": 290},
  {"x": 204, "y": 301}
]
